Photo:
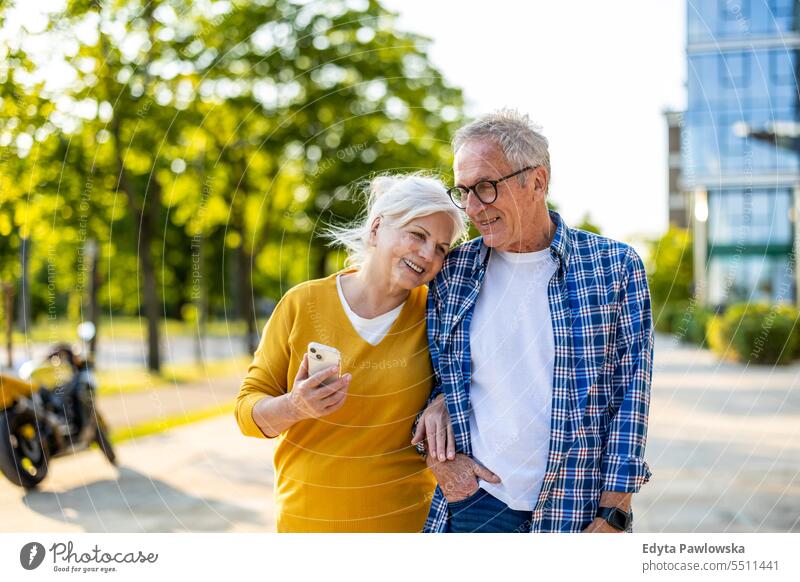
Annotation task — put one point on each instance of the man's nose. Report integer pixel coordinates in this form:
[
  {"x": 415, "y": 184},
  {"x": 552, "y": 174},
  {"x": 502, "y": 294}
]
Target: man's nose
[{"x": 474, "y": 205}]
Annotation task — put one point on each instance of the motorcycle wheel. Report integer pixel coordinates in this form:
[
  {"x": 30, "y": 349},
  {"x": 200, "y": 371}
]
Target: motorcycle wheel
[
  {"x": 102, "y": 440},
  {"x": 24, "y": 454}
]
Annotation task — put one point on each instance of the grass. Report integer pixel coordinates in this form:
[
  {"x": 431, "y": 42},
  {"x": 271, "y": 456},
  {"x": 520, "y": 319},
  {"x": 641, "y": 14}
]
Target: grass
[{"x": 113, "y": 382}]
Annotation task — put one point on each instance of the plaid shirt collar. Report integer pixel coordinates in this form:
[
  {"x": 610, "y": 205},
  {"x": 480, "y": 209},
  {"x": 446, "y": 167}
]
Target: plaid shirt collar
[{"x": 560, "y": 246}]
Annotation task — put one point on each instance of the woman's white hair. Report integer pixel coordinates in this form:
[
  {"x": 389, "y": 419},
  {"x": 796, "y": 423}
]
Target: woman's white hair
[
  {"x": 520, "y": 139},
  {"x": 397, "y": 200}
]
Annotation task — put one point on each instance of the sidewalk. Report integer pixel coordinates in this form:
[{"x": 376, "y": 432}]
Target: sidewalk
[
  {"x": 203, "y": 477},
  {"x": 723, "y": 445}
]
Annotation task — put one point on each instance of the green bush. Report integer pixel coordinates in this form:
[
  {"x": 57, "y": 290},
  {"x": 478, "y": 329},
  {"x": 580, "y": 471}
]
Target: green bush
[
  {"x": 690, "y": 323},
  {"x": 758, "y": 333},
  {"x": 664, "y": 316},
  {"x": 684, "y": 319}
]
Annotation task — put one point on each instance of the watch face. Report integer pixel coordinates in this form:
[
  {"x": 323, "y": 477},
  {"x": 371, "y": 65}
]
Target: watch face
[{"x": 619, "y": 519}]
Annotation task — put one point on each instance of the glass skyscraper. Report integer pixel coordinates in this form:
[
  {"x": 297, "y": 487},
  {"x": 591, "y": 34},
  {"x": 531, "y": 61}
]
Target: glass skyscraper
[{"x": 740, "y": 154}]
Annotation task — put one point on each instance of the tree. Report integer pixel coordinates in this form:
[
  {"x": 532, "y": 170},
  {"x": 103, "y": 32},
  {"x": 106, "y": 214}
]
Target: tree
[
  {"x": 196, "y": 136},
  {"x": 671, "y": 269},
  {"x": 588, "y": 225}
]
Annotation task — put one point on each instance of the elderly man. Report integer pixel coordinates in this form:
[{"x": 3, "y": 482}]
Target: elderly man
[{"x": 541, "y": 339}]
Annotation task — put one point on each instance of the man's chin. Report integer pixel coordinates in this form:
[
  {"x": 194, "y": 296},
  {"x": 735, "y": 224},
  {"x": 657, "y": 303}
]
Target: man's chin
[{"x": 492, "y": 240}]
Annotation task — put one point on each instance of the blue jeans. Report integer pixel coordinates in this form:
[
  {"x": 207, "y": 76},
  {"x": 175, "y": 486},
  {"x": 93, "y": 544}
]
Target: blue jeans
[{"x": 483, "y": 513}]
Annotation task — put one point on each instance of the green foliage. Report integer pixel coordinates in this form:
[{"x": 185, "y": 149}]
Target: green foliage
[
  {"x": 224, "y": 135},
  {"x": 757, "y": 333},
  {"x": 686, "y": 320},
  {"x": 587, "y": 224},
  {"x": 670, "y": 275}
]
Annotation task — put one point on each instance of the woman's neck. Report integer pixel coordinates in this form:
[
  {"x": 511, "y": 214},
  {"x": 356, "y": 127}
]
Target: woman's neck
[{"x": 369, "y": 293}]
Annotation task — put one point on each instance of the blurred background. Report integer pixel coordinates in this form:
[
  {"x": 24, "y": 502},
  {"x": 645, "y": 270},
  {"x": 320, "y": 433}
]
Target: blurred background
[{"x": 167, "y": 166}]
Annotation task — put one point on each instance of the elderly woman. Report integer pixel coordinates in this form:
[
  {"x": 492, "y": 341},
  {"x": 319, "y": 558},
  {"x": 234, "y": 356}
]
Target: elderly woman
[{"x": 343, "y": 460}]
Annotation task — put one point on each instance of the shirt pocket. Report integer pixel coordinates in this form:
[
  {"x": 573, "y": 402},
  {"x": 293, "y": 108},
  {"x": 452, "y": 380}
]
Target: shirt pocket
[{"x": 594, "y": 330}]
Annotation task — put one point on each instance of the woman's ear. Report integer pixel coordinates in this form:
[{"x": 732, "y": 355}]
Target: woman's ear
[{"x": 373, "y": 232}]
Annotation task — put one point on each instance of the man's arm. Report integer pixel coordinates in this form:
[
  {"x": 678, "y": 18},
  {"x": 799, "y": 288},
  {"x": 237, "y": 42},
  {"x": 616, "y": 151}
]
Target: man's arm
[{"x": 624, "y": 469}]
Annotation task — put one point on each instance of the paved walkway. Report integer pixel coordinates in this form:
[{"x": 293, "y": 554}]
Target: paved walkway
[
  {"x": 724, "y": 448},
  {"x": 204, "y": 477}
]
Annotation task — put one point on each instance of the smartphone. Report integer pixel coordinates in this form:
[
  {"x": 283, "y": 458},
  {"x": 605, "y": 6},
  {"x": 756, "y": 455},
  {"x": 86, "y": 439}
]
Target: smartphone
[{"x": 322, "y": 357}]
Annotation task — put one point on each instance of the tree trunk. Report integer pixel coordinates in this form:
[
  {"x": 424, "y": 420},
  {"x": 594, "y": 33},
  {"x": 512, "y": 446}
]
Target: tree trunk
[
  {"x": 8, "y": 291},
  {"x": 199, "y": 295},
  {"x": 24, "y": 310},
  {"x": 322, "y": 262},
  {"x": 149, "y": 220},
  {"x": 246, "y": 297},
  {"x": 94, "y": 309},
  {"x": 146, "y": 212}
]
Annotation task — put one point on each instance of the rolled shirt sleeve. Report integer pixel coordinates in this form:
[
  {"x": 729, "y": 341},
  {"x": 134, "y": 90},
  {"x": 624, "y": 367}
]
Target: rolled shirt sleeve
[{"x": 623, "y": 466}]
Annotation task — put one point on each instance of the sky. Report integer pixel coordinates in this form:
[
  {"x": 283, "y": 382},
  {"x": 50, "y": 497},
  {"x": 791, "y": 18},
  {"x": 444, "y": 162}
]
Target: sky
[{"x": 596, "y": 76}]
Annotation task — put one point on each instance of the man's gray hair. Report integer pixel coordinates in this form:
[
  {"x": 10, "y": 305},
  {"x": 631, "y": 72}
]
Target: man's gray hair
[{"x": 520, "y": 139}]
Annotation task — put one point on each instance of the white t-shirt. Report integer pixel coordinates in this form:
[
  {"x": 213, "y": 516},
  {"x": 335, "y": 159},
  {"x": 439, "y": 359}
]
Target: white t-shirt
[
  {"x": 511, "y": 390},
  {"x": 372, "y": 330}
]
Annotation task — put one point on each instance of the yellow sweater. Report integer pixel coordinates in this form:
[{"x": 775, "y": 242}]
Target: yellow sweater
[{"x": 354, "y": 470}]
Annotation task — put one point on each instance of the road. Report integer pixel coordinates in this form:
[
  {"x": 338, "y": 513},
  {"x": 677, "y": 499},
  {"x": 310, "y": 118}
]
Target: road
[{"x": 132, "y": 353}]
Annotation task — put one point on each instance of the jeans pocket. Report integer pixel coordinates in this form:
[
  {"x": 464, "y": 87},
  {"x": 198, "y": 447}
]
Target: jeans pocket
[{"x": 461, "y": 502}]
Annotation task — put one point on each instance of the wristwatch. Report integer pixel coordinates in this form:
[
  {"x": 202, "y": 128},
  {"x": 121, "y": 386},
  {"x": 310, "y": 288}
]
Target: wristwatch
[{"x": 615, "y": 517}]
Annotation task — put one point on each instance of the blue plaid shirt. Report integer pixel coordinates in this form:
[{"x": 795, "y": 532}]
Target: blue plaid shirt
[{"x": 602, "y": 330}]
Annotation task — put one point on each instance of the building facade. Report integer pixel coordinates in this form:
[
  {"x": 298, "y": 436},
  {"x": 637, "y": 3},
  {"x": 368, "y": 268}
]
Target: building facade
[
  {"x": 679, "y": 200},
  {"x": 740, "y": 155}
]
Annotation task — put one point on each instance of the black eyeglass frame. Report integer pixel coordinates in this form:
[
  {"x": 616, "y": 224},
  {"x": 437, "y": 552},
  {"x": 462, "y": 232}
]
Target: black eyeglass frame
[{"x": 455, "y": 191}]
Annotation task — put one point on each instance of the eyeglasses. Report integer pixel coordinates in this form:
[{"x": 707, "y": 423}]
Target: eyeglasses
[{"x": 485, "y": 190}]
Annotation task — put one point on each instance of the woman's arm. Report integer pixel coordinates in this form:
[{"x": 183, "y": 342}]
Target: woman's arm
[{"x": 275, "y": 414}]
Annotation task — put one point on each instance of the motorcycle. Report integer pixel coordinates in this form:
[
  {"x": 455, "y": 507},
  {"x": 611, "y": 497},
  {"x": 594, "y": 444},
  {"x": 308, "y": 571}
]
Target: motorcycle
[{"x": 49, "y": 412}]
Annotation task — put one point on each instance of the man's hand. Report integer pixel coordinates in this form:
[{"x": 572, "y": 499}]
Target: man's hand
[
  {"x": 434, "y": 424},
  {"x": 459, "y": 478}
]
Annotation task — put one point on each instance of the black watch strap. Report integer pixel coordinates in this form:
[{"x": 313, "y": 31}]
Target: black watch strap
[{"x": 616, "y": 518}]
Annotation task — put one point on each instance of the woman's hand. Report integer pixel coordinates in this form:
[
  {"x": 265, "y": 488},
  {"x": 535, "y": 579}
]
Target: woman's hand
[
  {"x": 310, "y": 398},
  {"x": 435, "y": 425}
]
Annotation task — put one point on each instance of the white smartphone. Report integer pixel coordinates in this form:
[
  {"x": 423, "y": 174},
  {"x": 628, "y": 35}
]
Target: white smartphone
[{"x": 322, "y": 357}]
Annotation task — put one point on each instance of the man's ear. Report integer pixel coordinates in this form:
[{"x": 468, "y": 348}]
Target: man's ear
[
  {"x": 540, "y": 180},
  {"x": 373, "y": 231}
]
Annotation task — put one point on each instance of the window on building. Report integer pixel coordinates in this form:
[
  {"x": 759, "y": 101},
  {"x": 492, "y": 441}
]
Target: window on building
[
  {"x": 782, "y": 67},
  {"x": 734, "y": 70},
  {"x": 782, "y": 8},
  {"x": 734, "y": 10},
  {"x": 749, "y": 217},
  {"x": 743, "y": 277},
  {"x": 674, "y": 139}
]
